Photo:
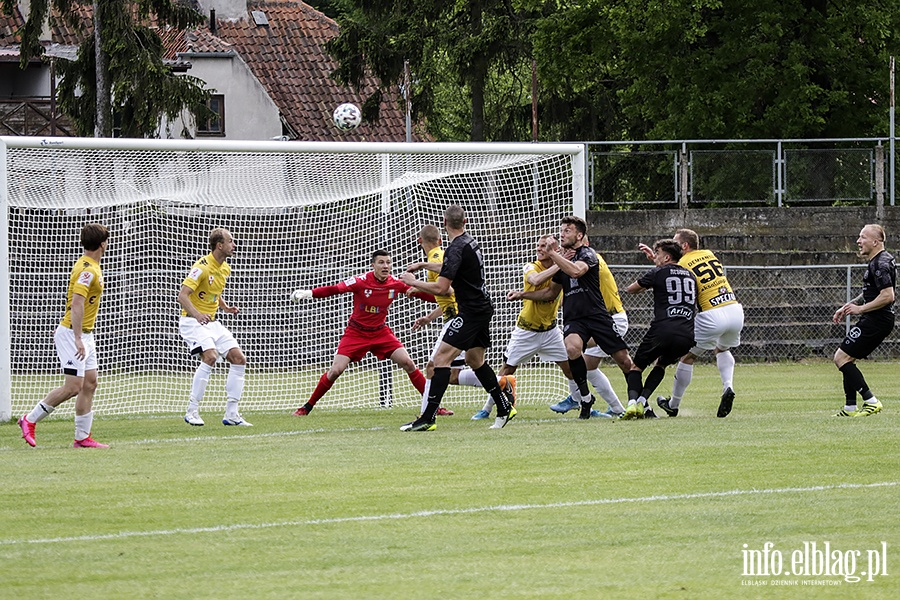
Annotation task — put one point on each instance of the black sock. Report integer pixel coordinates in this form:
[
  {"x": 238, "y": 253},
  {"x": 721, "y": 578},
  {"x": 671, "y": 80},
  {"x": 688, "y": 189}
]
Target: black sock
[
  {"x": 488, "y": 380},
  {"x": 854, "y": 382},
  {"x": 579, "y": 375},
  {"x": 439, "y": 382},
  {"x": 653, "y": 380},
  {"x": 634, "y": 384}
]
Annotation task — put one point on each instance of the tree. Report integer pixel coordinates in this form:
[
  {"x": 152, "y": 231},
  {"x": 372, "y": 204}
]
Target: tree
[
  {"x": 460, "y": 44},
  {"x": 119, "y": 70}
]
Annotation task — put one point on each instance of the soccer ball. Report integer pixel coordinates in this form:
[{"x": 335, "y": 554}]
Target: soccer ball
[{"x": 347, "y": 116}]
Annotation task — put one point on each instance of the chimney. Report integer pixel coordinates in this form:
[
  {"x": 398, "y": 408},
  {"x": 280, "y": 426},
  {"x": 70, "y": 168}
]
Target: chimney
[{"x": 212, "y": 21}]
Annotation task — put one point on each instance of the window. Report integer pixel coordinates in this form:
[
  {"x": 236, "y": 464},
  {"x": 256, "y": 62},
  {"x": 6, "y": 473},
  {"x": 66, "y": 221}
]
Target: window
[{"x": 213, "y": 124}]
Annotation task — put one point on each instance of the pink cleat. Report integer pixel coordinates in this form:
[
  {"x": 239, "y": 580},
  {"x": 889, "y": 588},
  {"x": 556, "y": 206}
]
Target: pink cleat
[
  {"x": 27, "y": 431},
  {"x": 88, "y": 442}
]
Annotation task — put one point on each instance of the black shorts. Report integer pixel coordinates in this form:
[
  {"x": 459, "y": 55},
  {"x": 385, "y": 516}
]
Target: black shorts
[
  {"x": 469, "y": 331},
  {"x": 601, "y": 328},
  {"x": 865, "y": 336},
  {"x": 666, "y": 347}
]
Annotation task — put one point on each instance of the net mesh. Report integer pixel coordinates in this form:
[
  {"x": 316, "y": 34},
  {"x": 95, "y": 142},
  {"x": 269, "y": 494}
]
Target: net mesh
[{"x": 300, "y": 220}]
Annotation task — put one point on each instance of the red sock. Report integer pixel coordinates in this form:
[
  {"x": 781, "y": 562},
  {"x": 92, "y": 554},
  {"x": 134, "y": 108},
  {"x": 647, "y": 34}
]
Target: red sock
[
  {"x": 323, "y": 386},
  {"x": 418, "y": 380}
]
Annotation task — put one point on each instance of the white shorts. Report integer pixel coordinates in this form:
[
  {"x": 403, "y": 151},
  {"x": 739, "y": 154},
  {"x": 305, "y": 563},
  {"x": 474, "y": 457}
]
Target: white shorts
[
  {"x": 718, "y": 328},
  {"x": 524, "y": 345},
  {"x": 201, "y": 338},
  {"x": 620, "y": 324},
  {"x": 70, "y": 364},
  {"x": 460, "y": 361}
]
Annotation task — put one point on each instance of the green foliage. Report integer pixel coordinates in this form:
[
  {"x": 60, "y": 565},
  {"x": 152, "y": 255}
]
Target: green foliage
[{"x": 142, "y": 89}]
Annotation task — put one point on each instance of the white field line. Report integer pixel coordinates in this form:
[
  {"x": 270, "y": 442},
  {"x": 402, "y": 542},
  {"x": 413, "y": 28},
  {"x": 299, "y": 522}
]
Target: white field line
[{"x": 446, "y": 512}]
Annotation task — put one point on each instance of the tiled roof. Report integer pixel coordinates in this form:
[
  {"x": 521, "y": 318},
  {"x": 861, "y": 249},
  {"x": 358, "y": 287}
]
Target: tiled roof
[
  {"x": 287, "y": 56},
  {"x": 289, "y": 59}
]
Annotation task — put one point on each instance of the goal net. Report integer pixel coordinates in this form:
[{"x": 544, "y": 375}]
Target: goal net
[{"x": 302, "y": 214}]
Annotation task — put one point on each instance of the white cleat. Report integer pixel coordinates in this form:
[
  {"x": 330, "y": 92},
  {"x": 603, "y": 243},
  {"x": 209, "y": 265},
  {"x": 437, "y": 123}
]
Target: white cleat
[
  {"x": 236, "y": 420},
  {"x": 193, "y": 418}
]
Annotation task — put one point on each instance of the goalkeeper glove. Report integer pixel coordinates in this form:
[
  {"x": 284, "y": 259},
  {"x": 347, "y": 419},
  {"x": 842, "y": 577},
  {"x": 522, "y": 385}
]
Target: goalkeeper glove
[{"x": 300, "y": 295}]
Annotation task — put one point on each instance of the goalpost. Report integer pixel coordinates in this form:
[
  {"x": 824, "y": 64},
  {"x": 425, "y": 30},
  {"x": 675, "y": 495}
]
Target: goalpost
[{"x": 302, "y": 214}]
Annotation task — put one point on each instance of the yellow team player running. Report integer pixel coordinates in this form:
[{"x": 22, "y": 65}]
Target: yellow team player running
[
  {"x": 200, "y": 297},
  {"x": 717, "y": 326},
  {"x": 74, "y": 341}
]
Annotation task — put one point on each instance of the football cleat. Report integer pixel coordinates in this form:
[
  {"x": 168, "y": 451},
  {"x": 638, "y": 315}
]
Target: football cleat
[
  {"x": 444, "y": 412},
  {"x": 649, "y": 414},
  {"x": 585, "y": 412},
  {"x": 236, "y": 420},
  {"x": 500, "y": 422},
  {"x": 663, "y": 403},
  {"x": 845, "y": 413},
  {"x": 481, "y": 414},
  {"x": 725, "y": 404},
  {"x": 27, "y": 431},
  {"x": 88, "y": 442},
  {"x": 508, "y": 385},
  {"x": 193, "y": 418},
  {"x": 564, "y": 406},
  {"x": 419, "y": 425},
  {"x": 869, "y": 408},
  {"x": 303, "y": 410},
  {"x": 634, "y": 411}
]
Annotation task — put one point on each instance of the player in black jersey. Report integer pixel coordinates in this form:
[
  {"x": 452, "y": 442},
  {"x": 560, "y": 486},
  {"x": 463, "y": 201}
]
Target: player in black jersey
[
  {"x": 463, "y": 268},
  {"x": 671, "y": 333},
  {"x": 875, "y": 323},
  {"x": 584, "y": 310}
]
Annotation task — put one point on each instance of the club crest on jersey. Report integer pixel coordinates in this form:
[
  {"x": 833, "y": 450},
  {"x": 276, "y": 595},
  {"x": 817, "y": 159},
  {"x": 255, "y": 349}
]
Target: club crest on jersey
[
  {"x": 854, "y": 333},
  {"x": 85, "y": 278},
  {"x": 211, "y": 280},
  {"x": 368, "y": 293},
  {"x": 392, "y": 294}
]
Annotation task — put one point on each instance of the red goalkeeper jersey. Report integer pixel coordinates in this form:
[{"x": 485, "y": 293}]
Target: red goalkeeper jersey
[{"x": 371, "y": 298}]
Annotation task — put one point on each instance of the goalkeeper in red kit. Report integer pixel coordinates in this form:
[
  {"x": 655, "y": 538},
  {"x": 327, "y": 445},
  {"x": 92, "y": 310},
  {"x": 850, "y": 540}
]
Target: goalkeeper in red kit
[{"x": 366, "y": 330}]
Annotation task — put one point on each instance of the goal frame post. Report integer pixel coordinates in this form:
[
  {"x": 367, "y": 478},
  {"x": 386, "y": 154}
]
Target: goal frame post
[{"x": 576, "y": 153}]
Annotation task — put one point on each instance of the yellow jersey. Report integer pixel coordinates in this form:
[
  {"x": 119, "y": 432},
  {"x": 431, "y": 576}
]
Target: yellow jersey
[
  {"x": 608, "y": 288},
  {"x": 86, "y": 280},
  {"x": 447, "y": 303},
  {"x": 537, "y": 316},
  {"x": 207, "y": 280},
  {"x": 713, "y": 289}
]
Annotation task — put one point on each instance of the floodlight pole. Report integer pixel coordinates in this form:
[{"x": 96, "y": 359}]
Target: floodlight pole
[{"x": 893, "y": 157}]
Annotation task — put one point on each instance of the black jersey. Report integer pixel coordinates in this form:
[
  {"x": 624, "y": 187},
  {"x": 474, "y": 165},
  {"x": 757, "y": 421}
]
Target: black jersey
[
  {"x": 464, "y": 266},
  {"x": 581, "y": 296},
  {"x": 881, "y": 273},
  {"x": 674, "y": 297}
]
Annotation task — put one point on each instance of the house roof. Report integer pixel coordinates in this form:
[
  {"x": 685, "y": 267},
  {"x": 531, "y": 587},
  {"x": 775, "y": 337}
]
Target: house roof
[{"x": 287, "y": 55}]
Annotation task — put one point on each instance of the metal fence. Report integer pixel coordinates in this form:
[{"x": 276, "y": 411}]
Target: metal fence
[
  {"x": 787, "y": 310},
  {"x": 728, "y": 173}
]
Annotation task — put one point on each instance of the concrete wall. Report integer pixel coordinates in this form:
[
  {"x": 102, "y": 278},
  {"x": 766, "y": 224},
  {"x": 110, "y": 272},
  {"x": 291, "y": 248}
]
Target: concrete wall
[{"x": 746, "y": 236}]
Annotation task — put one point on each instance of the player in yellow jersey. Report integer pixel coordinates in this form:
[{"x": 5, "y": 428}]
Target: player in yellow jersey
[
  {"x": 536, "y": 331},
  {"x": 74, "y": 340},
  {"x": 717, "y": 326},
  {"x": 200, "y": 298}
]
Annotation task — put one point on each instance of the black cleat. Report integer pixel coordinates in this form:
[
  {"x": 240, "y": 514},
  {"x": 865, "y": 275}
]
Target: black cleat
[
  {"x": 419, "y": 425},
  {"x": 649, "y": 414},
  {"x": 663, "y": 403},
  {"x": 586, "y": 409},
  {"x": 725, "y": 404}
]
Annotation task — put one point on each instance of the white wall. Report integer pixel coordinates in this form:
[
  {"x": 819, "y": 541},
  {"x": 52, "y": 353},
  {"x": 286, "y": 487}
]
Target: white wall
[
  {"x": 250, "y": 114},
  {"x": 225, "y": 9}
]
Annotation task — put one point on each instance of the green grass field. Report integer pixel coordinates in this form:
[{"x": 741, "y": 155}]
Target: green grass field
[{"x": 344, "y": 505}]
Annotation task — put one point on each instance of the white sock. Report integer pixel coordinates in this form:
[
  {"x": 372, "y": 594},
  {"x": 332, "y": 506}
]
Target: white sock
[
  {"x": 468, "y": 377},
  {"x": 39, "y": 412},
  {"x": 231, "y": 408},
  {"x": 488, "y": 405},
  {"x": 425, "y": 395},
  {"x": 603, "y": 387},
  {"x": 234, "y": 383},
  {"x": 83, "y": 425},
  {"x": 198, "y": 386},
  {"x": 683, "y": 374},
  {"x": 725, "y": 362}
]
